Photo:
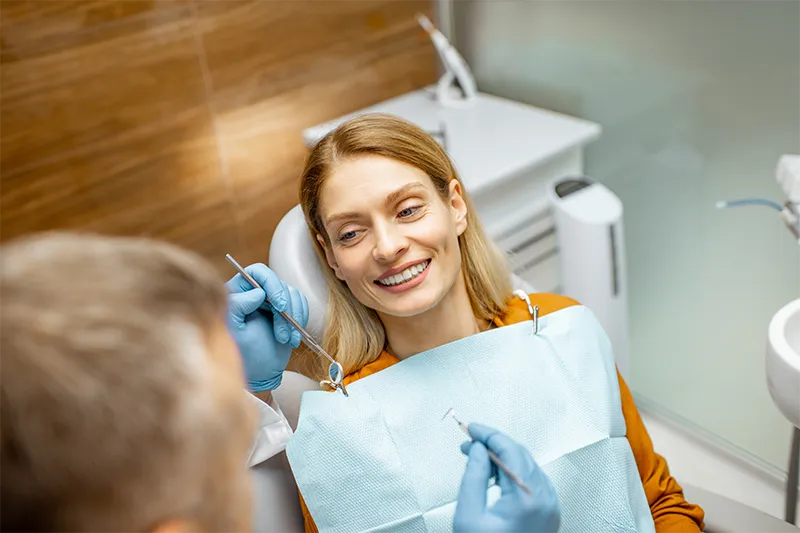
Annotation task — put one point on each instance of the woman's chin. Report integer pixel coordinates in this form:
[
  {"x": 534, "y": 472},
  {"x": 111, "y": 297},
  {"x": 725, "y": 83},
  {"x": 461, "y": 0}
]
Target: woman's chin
[{"x": 407, "y": 305}]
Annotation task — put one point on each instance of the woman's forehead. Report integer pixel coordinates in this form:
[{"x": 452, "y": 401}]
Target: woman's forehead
[{"x": 366, "y": 180}]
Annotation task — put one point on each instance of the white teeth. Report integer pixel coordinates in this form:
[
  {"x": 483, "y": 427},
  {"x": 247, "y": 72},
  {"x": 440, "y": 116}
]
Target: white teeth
[{"x": 406, "y": 275}]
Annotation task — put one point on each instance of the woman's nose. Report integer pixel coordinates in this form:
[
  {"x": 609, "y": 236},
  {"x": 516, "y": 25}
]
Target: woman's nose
[{"x": 389, "y": 244}]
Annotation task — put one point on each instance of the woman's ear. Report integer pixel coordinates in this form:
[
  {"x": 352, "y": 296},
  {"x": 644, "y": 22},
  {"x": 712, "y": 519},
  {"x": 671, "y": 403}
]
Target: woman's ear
[
  {"x": 458, "y": 205},
  {"x": 329, "y": 257}
]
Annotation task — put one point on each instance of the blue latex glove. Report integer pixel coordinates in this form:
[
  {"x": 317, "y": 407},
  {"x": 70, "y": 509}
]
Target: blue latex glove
[
  {"x": 515, "y": 511},
  {"x": 265, "y": 338}
]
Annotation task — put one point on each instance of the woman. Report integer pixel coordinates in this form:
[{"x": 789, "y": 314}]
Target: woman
[{"x": 410, "y": 268}]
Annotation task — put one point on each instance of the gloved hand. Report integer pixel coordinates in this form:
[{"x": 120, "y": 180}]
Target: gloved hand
[
  {"x": 515, "y": 511},
  {"x": 265, "y": 338}
]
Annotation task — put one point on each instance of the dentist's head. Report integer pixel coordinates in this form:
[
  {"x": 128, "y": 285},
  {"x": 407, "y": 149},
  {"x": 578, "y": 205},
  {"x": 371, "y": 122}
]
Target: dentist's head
[
  {"x": 122, "y": 402},
  {"x": 396, "y": 232}
]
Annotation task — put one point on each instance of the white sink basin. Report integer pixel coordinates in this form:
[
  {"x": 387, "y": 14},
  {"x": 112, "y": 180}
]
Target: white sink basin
[{"x": 783, "y": 361}]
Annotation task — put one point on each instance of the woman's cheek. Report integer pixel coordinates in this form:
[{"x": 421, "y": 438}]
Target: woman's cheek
[
  {"x": 351, "y": 266},
  {"x": 432, "y": 230}
]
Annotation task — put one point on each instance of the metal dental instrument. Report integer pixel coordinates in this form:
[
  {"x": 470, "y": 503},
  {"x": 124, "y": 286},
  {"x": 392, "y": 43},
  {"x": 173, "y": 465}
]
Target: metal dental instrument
[
  {"x": 532, "y": 309},
  {"x": 493, "y": 456},
  {"x": 335, "y": 370}
]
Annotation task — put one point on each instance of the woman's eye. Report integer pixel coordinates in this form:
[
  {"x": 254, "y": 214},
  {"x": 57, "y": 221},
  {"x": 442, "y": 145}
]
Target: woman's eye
[
  {"x": 408, "y": 211},
  {"x": 347, "y": 236}
]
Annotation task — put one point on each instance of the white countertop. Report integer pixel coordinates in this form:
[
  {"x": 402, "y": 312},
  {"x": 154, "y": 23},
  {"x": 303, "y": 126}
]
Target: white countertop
[{"x": 492, "y": 140}]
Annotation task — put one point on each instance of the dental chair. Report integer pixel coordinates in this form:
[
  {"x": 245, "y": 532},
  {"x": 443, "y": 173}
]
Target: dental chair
[{"x": 276, "y": 502}]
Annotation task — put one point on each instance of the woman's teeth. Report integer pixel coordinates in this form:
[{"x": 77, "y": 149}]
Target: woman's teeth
[{"x": 406, "y": 275}]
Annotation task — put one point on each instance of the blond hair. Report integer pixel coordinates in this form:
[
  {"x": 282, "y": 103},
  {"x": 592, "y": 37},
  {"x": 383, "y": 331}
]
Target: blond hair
[
  {"x": 354, "y": 335},
  {"x": 109, "y": 419}
]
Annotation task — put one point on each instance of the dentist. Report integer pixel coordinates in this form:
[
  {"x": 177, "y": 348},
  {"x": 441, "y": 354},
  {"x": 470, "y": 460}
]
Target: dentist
[{"x": 265, "y": 345}]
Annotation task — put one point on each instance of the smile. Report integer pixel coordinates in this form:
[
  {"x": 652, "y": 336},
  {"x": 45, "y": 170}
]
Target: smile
[{"x": 405, "y": 276}]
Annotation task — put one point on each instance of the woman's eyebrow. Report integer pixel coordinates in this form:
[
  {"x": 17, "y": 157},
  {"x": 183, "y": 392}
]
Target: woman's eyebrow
[
  {"x": 391, "y": 199},
  {"x": 341, "y": 216},
  {"x": 396, "y": 196}
]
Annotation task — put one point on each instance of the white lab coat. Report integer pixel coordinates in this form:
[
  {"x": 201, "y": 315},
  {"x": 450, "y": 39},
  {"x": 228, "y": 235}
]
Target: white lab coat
[
  {"x": 272, "y": 434},
  {"x": 276, "y": 506}
]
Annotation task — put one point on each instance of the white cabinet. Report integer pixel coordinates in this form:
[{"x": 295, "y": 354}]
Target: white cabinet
[{"x": 506, "y": 153}]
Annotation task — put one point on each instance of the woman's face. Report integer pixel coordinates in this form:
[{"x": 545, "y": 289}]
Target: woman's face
[{"x": 393, "y": 239}]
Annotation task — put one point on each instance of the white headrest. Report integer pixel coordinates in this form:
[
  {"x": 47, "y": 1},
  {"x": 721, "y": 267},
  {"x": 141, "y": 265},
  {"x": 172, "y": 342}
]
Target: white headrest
[{"x": 293, "y": 258}]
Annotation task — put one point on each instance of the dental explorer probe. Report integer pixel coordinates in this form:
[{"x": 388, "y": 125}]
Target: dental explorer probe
[
  {"x": 493, "y": 456},
  {"x": 335, "y": 370}
]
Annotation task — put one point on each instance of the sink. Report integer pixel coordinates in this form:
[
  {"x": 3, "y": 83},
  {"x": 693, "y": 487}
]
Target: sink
[{"x": 783, "y": 361}]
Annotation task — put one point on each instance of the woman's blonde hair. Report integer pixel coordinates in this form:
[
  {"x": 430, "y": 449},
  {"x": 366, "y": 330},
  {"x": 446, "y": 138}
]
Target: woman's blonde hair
[{"x": 354, "y": 335}]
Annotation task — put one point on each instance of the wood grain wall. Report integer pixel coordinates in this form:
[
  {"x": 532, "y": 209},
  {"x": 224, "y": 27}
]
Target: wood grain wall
[{"x": 182, "y": 119}]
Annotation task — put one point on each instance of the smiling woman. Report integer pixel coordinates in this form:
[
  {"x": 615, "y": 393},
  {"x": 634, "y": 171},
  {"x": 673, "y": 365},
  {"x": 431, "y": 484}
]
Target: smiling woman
[
  {"x": 410, "y": 265},
  {"x": 410, "y": 269}
]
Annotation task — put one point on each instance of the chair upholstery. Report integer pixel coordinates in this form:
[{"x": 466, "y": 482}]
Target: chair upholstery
[{"x": 293, "y": 257}]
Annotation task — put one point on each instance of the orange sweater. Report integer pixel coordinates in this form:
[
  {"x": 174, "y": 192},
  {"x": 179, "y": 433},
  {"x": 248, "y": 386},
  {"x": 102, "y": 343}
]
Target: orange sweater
[{"x": 671, "y": 512}]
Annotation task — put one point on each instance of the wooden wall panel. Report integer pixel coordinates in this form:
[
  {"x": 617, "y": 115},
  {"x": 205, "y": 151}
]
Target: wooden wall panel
[
  {"x": 182, "y": 119},
  {"x": 31, "y": 24},
  {"x": 306, "y": 62}
]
